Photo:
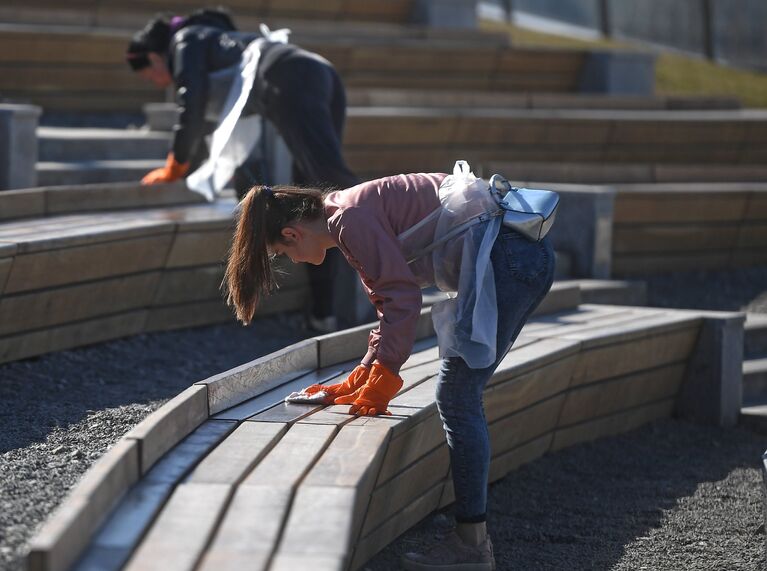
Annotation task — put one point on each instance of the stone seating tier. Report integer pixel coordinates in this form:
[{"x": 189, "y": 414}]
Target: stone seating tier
[
  {"x": 226, "y": 475},
  {"x": 380, "y": 141},
  {"x": 127, "y": 13},
  {"x": 374, "y": 137},
  {"x": 626, "y": 230},
  {"x": 74, "y": 279},
  {"x": 62, "y": 68}
]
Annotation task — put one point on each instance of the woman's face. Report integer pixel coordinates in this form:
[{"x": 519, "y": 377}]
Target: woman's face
[
  {"x": 157, "y": 72},
  {"x": 299, "y": 244}
]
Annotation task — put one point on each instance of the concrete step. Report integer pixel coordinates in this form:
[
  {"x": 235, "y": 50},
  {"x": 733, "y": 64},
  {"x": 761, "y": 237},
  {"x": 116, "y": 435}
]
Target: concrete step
[
  {"x": 754, "y": 417},
  {"x": 51, "y": 173},
  {"x": 67, "y": 144},
  {"x": 612, "y": 292},
  {"x": 754, "y": 381},
  {"x": 755, "y": 336}
]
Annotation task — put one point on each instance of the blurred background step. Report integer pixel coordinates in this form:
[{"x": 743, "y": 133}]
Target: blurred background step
[
  {"x": 50, "y": 173},
  {"x": 755, "y": 382},
  {"x": 64, "y": 144},
  {"x": 612, "y": 292},
  {"x": 755, "y": 336}
]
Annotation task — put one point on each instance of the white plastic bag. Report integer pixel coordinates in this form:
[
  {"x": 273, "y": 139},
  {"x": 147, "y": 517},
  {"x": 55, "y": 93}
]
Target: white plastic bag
[
  {"x": 456, "y": 239},
  {"x": 235, "y": 137}
]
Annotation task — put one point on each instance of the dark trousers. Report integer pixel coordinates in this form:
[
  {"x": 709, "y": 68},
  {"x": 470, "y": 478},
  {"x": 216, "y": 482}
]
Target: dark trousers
[{"x": 305, "y": 100}]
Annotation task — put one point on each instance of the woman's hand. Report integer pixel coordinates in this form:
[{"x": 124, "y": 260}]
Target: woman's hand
[
  {"x": 354, "y": 381},
  {"x": 374, "y": 396}
]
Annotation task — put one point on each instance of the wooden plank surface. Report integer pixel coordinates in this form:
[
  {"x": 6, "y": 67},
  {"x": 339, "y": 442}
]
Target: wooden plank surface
[
  {"x": 613, "y": 424},
  {"x": 674, "y": 238},
  {"x": 233, "y": 459},
  {"x": 28, "y": 311},
  {"x": 353, "y": 458},
  {"x": 266, "y": 400},
  {"x": 528, "y": 424},
  {"x": 290, "y": 459},
  {"x": 51, "y": 268},
  {"x": 626, "y": 392},
  {"x": 258, "y": 376},
  {"x": 189, "y": 284},
  {"x": 199, "y": 248},
  {"x": 624, "y": 358},
  {"x": 390, "y": 498},
  {"x": 529, "y": 388},
  {"x": 392, "y": 528},
  {"x": 117, "y": 538},
  {"x": 168, "y": 425},
  {"x": 177, "y": 538},
  {"x": 20, "y": 346}
]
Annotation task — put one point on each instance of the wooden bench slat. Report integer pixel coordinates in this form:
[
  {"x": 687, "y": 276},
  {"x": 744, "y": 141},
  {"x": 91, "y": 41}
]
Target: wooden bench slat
[
  {"x": 627, "y": 392},
  {"x": 178, "y": 536},
  {"x": 231, "y": 460}
]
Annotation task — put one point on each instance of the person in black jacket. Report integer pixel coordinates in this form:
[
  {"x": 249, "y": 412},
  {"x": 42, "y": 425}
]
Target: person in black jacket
[{"x": 298, "y": 91}]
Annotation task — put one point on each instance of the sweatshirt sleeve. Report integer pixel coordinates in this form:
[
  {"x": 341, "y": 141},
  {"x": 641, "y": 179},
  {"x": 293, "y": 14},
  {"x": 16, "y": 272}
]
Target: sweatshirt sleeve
[{"x": 370, "y": 245}]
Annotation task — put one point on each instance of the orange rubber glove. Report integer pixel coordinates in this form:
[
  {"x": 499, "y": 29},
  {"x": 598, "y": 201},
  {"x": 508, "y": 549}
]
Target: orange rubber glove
[
  {"x": 354, "y": 381},
  {"x": 374, "y": 396},
  {"x": 170, "y": 172}
]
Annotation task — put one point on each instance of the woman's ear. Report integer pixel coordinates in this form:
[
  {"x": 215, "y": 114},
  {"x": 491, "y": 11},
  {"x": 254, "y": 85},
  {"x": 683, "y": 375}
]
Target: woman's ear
[{"x": 290, "y": 234}]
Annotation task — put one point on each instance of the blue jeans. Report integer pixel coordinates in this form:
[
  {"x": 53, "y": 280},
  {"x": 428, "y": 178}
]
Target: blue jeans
[{"x": 524, "y": 272}]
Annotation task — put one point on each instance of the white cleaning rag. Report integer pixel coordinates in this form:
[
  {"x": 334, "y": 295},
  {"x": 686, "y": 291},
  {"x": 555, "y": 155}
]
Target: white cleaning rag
[{"x": 320, "y": 397}]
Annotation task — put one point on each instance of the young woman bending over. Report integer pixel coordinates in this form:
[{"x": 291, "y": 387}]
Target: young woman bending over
[{"x": 403, "y": 233}]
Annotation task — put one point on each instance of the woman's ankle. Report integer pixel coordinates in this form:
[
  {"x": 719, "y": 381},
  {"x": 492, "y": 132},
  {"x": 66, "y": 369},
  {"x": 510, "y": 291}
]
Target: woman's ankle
[{"x": 473, "y": 534}]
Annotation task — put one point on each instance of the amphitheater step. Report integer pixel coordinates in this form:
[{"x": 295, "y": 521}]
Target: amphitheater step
[
  {"x": 87, "y": 172},
  {"x": 605, "y": 173},
  {"x": 754, "y": 417},
  {"x": 611, "y": 292},
  {"x": 755, "y": 381},
  {"x": 62, "y": 144},
  {"x": 755, "y": 336}
]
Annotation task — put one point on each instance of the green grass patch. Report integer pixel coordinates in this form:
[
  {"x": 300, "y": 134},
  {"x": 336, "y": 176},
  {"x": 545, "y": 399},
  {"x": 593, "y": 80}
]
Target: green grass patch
[{"x": 675, "y": 74}]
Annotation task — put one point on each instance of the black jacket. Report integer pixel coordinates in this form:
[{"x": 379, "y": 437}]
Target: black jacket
[{"x": 196, "y": 52}]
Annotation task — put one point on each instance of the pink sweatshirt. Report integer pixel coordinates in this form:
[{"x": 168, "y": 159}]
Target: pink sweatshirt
[{"x": 365, "y": 221}]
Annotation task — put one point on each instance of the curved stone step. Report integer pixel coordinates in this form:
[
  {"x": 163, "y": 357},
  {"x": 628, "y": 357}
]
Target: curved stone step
[
  {"x": 68, "y": 144},
  {"x": 83, "y": 172},
  {"x": 227, "y": 475},
  {"x": 755, "y": 381},
  {"x": 755, "y": 336}
]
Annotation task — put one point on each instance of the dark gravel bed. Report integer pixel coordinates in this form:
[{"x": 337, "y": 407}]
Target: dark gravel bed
[
  {"x": 60, "y": 412},
  {"x": 671, "y": 495}
]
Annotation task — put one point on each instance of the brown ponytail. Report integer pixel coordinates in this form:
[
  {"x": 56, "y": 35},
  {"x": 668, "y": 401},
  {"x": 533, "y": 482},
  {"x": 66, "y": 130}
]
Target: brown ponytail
[{"x": 262, "y": 215}]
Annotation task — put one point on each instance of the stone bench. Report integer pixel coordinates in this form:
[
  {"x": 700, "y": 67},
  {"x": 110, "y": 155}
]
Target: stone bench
[
  {"x": 68, "y": 68},
  {"x": 227, "y": 476},
  {"x": 622, "y": 173},
  {"x": 625, "y": 230},
  {"x": 122, "y": 13},
  {"x": 68, "y": 280},
  {"x": 394, "y": 139}
]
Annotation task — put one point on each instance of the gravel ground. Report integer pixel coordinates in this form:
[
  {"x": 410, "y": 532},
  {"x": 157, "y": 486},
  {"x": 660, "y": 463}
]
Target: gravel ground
[
  {"x": 694, "y": 506},
  {"x": 60, "y": 412},
  {"x": 669, "y": 496}
]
